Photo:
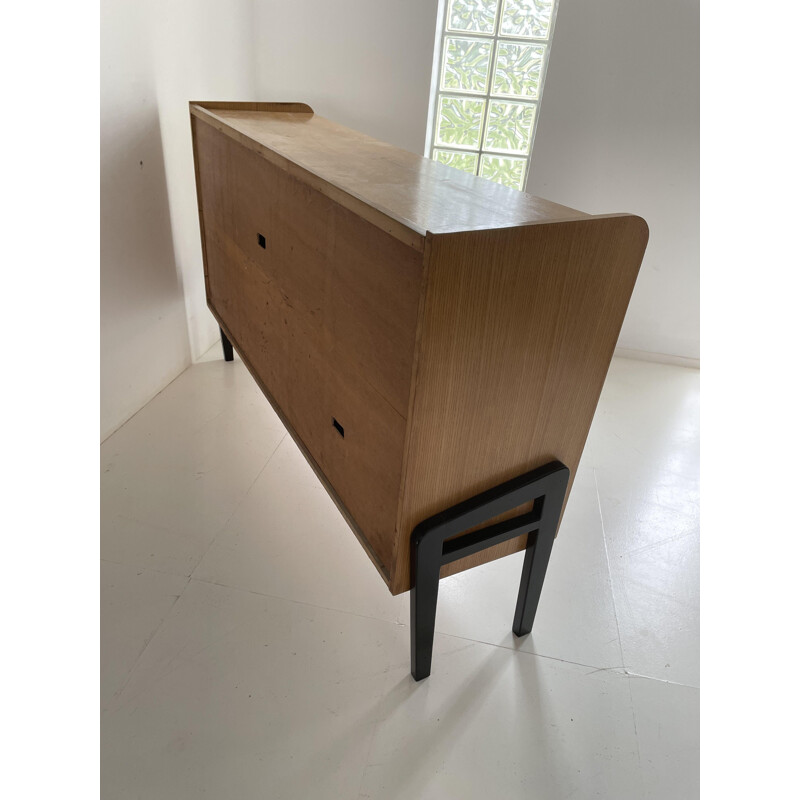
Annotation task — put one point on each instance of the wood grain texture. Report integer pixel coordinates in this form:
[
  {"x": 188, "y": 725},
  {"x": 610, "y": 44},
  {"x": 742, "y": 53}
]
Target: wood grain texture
[
  {"x": 359, "y": 286},
  {"x": 517, "y": 333},
  {"x": 326, "y": 315},
  {"x": 240, "y": 105},
  {"x": 195, "y": 156}
]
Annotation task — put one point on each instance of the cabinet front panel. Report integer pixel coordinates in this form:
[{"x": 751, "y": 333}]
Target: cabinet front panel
[
  {"x": 324, "y": 308},
  {"x": 359, "y": 284}
]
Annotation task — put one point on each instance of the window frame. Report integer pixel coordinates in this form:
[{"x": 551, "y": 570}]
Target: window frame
[{"x": 437, "y": 92}]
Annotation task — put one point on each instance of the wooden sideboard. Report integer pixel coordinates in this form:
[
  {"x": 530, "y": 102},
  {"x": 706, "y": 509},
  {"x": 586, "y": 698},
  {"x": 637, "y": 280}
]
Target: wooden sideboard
[{"x": 424, "y": 334}]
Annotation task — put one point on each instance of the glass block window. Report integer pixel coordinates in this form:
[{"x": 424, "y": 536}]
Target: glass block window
[{"x": 488, "y": 80}]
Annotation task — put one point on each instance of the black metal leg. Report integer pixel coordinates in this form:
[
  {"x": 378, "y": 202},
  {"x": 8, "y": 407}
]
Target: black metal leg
[
  {"x": 537, "y": 556},
  {"x": 441, "y": 539},
  {"x": 424, "y": 594},
  {"x": 227, "y": 347}
]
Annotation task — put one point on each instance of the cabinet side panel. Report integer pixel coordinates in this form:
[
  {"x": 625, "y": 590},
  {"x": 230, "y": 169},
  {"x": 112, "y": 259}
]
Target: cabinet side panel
[
  {"x": 322, "y": 306},
  {"x": 518, "y": 332}
]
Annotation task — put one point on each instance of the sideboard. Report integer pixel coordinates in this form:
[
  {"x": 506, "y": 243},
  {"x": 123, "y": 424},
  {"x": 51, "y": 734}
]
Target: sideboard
[{"x": 434, "y": 343}]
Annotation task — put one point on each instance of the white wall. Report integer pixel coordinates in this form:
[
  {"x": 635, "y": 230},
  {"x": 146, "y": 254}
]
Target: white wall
[
  {"x": 155, "y": 57},
  {"x": 619, "y": 131},
  {"x": 143, "y": 337},
  {"x": 203, "y": 50},
  {"x": 363, "y": 63}
]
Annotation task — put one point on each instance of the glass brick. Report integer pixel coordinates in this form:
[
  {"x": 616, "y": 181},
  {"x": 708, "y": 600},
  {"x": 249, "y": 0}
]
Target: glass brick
[
  {"x": 459, "y": 121},
  {"x": 466, "y": 162},
  {"x": 478, "y": 16},
  {"x": 518, "y": 70},
  {"x": 510, "y": 127},
  {"x": 506, "y": 170},
  {"x": 526, "y": 19},
  {"x": 466, "y": 64}
]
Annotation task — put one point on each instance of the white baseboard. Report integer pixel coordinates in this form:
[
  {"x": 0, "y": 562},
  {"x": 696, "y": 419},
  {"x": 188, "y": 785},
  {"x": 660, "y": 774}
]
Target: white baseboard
[{"x": 659, "y": 358}]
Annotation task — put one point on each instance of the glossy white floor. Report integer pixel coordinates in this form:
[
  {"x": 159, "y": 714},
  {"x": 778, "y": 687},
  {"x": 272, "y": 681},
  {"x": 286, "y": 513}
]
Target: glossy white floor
[{"x": 250, "y": 650}]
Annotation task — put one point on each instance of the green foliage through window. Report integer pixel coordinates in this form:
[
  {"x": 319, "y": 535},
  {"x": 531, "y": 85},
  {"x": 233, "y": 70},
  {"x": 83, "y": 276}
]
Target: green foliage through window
[
  {"x": 510, "y": 127},
  {"x": 460, "y": 121},
  {"x": 493, "y": 54},
  {"x": 518, "y": 70},
  {"x": 467, "y": 162},
  {"x": 466, "y": 64},
  {"x": 508, "y": 171},
  {"x": 472, "y": 15}
]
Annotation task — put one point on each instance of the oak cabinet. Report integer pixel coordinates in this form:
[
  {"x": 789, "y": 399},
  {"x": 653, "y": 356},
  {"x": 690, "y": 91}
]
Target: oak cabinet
[{"x": 424, "y": 334}]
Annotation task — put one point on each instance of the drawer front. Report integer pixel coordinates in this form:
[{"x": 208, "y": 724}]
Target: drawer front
[
  {"x": 324, "y": 309},
  {"x": 359, "y": 284}
]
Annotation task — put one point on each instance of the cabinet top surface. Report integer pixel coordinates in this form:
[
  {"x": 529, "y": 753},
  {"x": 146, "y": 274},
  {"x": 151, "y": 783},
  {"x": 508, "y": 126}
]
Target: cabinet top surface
[{"x": 420, "y": 194}]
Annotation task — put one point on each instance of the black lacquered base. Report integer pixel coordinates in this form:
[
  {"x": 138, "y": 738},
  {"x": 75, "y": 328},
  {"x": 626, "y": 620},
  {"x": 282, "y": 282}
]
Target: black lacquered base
[
  {"x": 436, "y": 542},
  {"x": 227, "y": 347}
]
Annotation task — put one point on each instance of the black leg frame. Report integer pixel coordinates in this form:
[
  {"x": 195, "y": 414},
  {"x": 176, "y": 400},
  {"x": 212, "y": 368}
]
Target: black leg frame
[
  {"x": 227, "y": 347},
  {"x": 437, "y": 541}
]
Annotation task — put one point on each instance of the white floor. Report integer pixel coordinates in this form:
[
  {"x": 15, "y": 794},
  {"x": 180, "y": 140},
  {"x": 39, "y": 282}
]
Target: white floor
[{"x": 250, "y": 649}]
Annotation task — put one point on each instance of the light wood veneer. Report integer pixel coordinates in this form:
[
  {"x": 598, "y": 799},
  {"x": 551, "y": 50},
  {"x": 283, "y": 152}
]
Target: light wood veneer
[{"x": 458, "y": 331}]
